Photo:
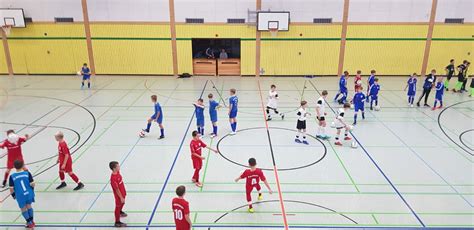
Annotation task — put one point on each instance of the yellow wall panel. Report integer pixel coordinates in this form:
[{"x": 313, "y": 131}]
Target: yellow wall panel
[
  {"x": 453, "y": 31},
  {"x": 3, "y": 63},
  {"x": 131, "y": 30},
  {"x": 51, "y": 29},
  {"x": 185, "y": 56},
  {"x": 47, "y": 56},
  {"x": 299, "y": 57},
  {"x": 442, "y": 51},
  {"x": 210, "y": 31},
  {"x": 387, "y": 57},
  {"x": 132, "y": 57},
  {"x": 308, "y": 31},
  {"x": 387, "y": 31},
  {"x": 247, "y": 57}
]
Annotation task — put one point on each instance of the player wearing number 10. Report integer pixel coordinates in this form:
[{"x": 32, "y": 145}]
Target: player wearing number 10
[
  {"x": 181, "y": 210},
  {"x": 21, "y": 188}
]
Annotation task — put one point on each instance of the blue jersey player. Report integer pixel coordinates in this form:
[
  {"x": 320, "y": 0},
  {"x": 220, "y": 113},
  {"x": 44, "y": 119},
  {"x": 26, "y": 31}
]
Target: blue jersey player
[
  {"x": 86, "y": 76},
  {"x": 213, "y": 106},
  {"x": 370, "y": 80},
  {"x": 374, "y": 93},
  {"x": 157, "y": 116},
  {"x": 358, "y": 100},
  {"x": 21, "y": 189},
  {"x": 439, "y": 93},
  {"x": 411, "y": 86},
  {"x": 233, "y": 108},
  {"x": 199, "y": 111},
  {"x": 342, "y": 88}
]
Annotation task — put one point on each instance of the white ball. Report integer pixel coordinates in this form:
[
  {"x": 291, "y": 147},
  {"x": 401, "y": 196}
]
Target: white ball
[
  {"x": 354, "y": 145},
  {"x": 377, "y": 108},
  {"x": 79, "y": 73},
  {"x": 141, "y": 134},
  {"x": 351, "y": 127},
  {"x": 352, "y": 106},
  {"x": 333, "y": 124}
]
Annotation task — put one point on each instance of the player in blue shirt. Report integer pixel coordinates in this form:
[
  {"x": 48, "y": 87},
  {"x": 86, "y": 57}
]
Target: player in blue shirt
[
  {"x": 86, "y": 75},
  {"x": 213, "y": 106},
  {"x": 370, "y": 81},
  {"x": 342, "y": 88},
  {"x": 439, "y": 93},
  {"x": 199, "y": 110},
  {"x": 358, "y": 100},
  {"x": 374, "y": 93},
  {"x": 157, "y": 116},
  {"x": 233, "y": 108},
  {"x": 21, "y": 189},
  {"x": 411, "y": 85}
]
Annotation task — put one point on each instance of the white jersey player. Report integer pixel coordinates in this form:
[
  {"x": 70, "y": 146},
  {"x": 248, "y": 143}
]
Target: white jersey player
[
  {"x": 321, "y": 116},
  {"x": 272, "y": 104},
  {"x": 340, "y": 124}
]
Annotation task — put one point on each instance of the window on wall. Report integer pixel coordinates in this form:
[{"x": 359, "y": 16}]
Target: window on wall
[
  {"x": 194, "y": 20},
  {"x": 454, "y": 20},
  {"x": 236, "y": 20},
  {"x": 231, "y": 46}
]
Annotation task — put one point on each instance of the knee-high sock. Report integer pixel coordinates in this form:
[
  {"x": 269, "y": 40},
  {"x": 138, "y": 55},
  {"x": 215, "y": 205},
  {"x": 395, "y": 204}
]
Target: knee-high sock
[
  {"x": 30, "y": 213},
  {"x": 74, "y": 177},
  {"x": 162, "y": 131},
  {"x": 355, "y": 118},
  {"x": 214, "y": 129},
  {"x": 61, "y": 176},
  {"x": 148, "y": 126},
  {"x": 5, "y": 177},
  {"x": 26, "y": 215}
]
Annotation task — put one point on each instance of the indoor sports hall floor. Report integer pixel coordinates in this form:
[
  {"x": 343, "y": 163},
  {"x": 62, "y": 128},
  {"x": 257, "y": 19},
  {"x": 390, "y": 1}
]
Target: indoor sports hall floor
[{"x": 413, "y": 167}]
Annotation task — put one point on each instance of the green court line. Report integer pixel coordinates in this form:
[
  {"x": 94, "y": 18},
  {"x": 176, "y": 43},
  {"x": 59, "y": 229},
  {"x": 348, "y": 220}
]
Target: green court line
[
  {"x": 286, "y": 183},
  {"x": 375, "y": 219},
  {"x": 242, "y": 39},
  {"x": 288, "y": 192},
  {"x": 344, "y": 167}
]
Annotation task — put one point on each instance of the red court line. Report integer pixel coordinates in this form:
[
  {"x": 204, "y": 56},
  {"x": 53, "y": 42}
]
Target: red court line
[{"x": 280, "y": 195}]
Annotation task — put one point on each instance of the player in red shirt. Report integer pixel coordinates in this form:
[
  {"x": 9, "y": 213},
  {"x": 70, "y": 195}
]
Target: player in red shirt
[
  {"x": 118, "y": 188},
  {"x": 196, "y": 155},
  {"x": 65, "y": 163},
  {"x": 181, "y": 210},
  {"x": 358, "y": 81},
  {"x": 13, "y": 145},
  {"x": 253, "y": 177}
]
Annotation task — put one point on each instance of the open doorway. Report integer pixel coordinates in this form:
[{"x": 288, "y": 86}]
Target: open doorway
[{"x": 216, "y": 56}]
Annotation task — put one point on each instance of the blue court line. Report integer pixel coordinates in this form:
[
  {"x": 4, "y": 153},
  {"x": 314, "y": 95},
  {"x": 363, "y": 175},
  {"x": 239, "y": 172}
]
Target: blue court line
[
  {"x": 232, "y": 226},
  {"x": 426, "y": 163},
  {"x": 105, "y": 186},
  {"x": 173, "y": 164},
  {"x": 378, "y": 167}
]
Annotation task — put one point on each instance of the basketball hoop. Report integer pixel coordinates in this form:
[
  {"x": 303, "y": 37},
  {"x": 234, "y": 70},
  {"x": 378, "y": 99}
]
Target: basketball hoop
[
  {"x": 6, "y": 29},
  {"x": 273, "y": 32}
]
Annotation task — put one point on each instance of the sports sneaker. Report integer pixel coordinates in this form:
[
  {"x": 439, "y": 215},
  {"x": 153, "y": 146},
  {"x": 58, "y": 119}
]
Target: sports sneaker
[
  {"x": 434, "y": 108},
  {"x": 4, "y": 184},
  {"x": 29, "y": 226},
  {"x": 326, "y": 137},
  {"x": 161, "y": 137},
  {"x": 297, "y": 140},
  {"x": 212, "y": 135},
  {"x": 347, "y": 138},
  {"x": 418, "y": 104},
  {"x": 198, "y": 184},
  {"x": 120, "y": 224},
  {"x": 319, "y": 136},
  {"x": 338, "y": 143},
  {"x": 260, "y": 197},
  {"x": 282, "y": 116},
  {"x": 305, "y": 142},
  {"x": 269, "y": 119},
  {"x": 232, "y": 133},
  {"x": 426, "y": 105},
  {"x": 123, "y": 214},
  {"x": 251, "y": 210},
  {"x": 79, "y": 186},
  {"x": 62, "y": 185}
]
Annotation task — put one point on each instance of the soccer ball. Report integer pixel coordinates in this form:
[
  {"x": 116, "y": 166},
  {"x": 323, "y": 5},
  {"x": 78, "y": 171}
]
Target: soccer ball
[
  {"x": 351, "y": 127},
  {"x": 354, "y": 145},
  {"x": 352, "y": 106},
  {"x": 377, "y": 108},
  {"x": 333, "y": 124},
  {"x": 141, "y": 134},
  {"x": 79, "y": 73}
]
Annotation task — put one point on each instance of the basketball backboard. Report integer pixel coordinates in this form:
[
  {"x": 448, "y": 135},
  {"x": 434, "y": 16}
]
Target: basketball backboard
[
  {"x": 267, "y": 20},
  {"x": 12, "y": 17}
]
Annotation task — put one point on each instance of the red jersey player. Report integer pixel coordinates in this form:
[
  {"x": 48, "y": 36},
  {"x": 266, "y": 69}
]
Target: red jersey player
[
  {"x": 196, "y": 155},
  {"x": 65, "y": 163},
  {"x": 358, "y": 81},
  {"x": 13, "y": 145},
  {"x": 181, "y": 210},
  {"x": 119, "y": 193},
  {"x": 253, "y": 177}
]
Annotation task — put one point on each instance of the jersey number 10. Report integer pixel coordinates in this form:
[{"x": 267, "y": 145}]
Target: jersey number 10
[{"x": 178, "y": 214}]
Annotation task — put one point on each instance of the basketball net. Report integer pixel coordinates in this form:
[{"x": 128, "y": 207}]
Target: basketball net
[
  {"x": 273, "y": 32},
  {"x": 6, "y": 29}
]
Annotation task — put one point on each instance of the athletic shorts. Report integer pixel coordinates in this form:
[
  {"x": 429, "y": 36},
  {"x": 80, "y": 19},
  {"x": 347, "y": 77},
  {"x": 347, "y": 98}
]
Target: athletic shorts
[
  {"x": 301, "y": 125},
  {"x": 197, "y": 163},
  {"x": 213, "y": 116},
  {"x": 411, "y": 93},
  {"x": 374, "y": 97},
  {"x": 159, "y": 120},
  {"x": 200, "y": 122},
  {"x": 68, "y": 167},
  {"x": 86, "y": 77},
  {"x": 22, "y": 202},
  {"x": 11, "y": 161},
  {"x": 358, "y": 107},
  {"x": 439, "y": 97},
  {"x": 233, "y": 114}
]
